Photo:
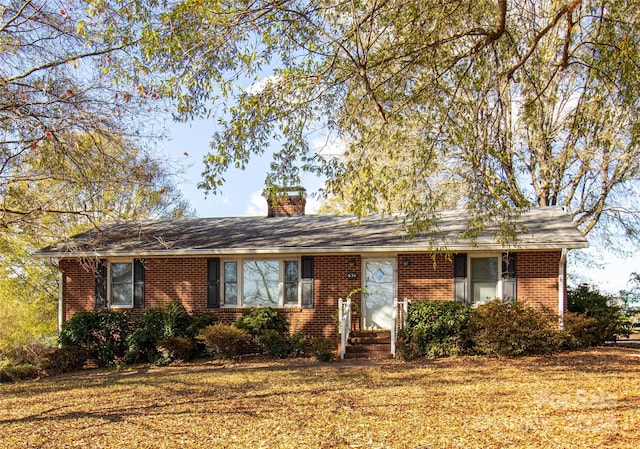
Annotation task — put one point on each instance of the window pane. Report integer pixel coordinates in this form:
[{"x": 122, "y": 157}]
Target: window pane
[
  {"x": 121, "y": 284},
  {"x": 231, "y": 293},
  {"x": 121, "y": 294},
  {"x": 291, "y": 283},
  {"x": 261, "y": 282},
  {"x": 484, "y": 279},
  {"x": 291, "y": 271},
  {"x": 121, "y": 272},
  {"x": 231, "y": 283},
  {"x": 291, "y": 293},
  {"x": 484, "y": 292},
  {"x": 485, "y": 268},
  {"x": 231, "y": 272}
]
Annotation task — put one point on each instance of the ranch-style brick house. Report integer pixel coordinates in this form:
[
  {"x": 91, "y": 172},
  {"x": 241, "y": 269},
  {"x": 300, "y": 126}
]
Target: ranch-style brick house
[{"x": 303, "y": 264}]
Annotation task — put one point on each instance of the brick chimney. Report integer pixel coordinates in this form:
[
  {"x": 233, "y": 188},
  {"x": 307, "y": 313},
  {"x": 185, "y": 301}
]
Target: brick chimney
[{"x": 286, "y": 201}]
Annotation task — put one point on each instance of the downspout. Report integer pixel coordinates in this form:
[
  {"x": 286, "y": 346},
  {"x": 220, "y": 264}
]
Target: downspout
[
  {"x": 51, "y": 263},
  {"x": 562, "y": 287}
]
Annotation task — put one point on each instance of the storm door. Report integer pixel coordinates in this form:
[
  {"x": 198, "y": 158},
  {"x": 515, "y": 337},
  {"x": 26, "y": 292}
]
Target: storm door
[{"x": 379, "y": 291}]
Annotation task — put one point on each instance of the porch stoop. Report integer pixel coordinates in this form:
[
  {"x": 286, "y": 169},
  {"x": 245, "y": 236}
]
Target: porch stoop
[{"x": 369, "y": 344}]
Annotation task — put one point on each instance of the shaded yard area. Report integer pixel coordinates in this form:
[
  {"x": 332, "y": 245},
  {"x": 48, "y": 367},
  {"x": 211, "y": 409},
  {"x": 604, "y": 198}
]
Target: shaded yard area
[{"x": 580, "y": 400}]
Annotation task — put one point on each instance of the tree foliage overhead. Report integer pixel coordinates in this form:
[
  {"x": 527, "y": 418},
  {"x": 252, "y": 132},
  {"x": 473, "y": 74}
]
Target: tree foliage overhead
[
  {"x": 510, "y": 103},
  {"x": 71, "y": 155},
  {"x": 69, "y": 124}
]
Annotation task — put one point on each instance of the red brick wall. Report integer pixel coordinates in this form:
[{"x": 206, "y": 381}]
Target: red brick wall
[
  {"x": 537, "y": 277},
  {"x": 284, "y": 207},
  {"x": 428, "y": 277},
  {"x": 425, "y": 278},
  {"x": 78, "y": 286},
  {"x": 181, "y": 280}
]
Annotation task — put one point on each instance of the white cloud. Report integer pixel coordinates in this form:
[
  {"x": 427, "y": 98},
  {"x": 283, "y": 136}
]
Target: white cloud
[
  {"x": 328, "y": 145},
  {"x": 257, "y": 205},
  {"x": 260, "y": 85},
  {"x": 312, "y": 206}
]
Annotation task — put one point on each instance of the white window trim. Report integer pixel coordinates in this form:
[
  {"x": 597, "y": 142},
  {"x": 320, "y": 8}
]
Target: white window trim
[
  {"x": 110, "y": 262},
  {"x": 500, "y": 283},
  {"x": 240, "y": 281}
]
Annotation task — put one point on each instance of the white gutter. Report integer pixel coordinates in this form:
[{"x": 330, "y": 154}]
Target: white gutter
[
  {"x": 562, "y": 287},
  {"x": 55, "y": 266},
  {"x": 417, "y": 248}
]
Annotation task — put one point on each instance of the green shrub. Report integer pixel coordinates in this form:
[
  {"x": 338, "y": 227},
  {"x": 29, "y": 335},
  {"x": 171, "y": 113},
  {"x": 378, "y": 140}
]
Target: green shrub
[
  {"x": 103, "y": 333},
  {"x": 142, "y": 345},
  {"x": 177, "y": 349},
  {"x": 511, "y": 329},
  {"x": 273, "y": 343},
  {"x": 434, "y": 329},
  {"x": 257, "y": 320},
  {"x": 298, "y": 345},
  {"x": 65, "y": 360},
  {"x": 198, "y": 322},
  {"x": 578, "y": 331},
  {"x": 158, "y": 323},
  {"x": 13, "y": 373},
  {"x": 223, "y": 341},
  {"x": 606, "y": 321},
  {"x": 175, "y": 320},
  {"x": 321, "y": 348}
]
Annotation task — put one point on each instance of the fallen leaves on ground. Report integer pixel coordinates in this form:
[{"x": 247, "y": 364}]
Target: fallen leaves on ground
[{"x": 579, "y": 400}]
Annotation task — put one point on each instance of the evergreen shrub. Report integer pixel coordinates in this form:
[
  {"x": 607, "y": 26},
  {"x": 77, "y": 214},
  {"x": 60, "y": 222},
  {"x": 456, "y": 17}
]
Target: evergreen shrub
[
  {"x": 176, "y": 349},
  {"x": 321, "y": 348},
  {"x": 601, "y": 320},
  {"x": 511, "y": 329},
  {"x": 434, "y": 329},
  {"x": 257, "y": 320},
  {"x": 223, "y": 341},
  {"x": 103, "y": 333}
]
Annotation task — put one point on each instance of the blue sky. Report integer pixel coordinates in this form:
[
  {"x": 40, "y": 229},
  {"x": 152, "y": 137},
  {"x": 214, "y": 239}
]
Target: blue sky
[
  {"x": 241, "y": 196},
  {"x": 241, "y": 193}
]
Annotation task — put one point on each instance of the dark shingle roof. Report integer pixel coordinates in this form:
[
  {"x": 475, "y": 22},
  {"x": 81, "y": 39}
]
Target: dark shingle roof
[{"x": 541, "y": 228}]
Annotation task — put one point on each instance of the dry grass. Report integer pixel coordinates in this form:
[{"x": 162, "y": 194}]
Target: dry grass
[{"x": 577, "y": 400}]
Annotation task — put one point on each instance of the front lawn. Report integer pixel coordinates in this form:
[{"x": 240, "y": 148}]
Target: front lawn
[{"x": 587, "y": 399}]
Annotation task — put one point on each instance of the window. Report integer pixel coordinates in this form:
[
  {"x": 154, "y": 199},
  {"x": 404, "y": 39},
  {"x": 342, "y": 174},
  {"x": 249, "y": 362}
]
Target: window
[
  {"x": 261, "y": 283},
  {"x": 484, "y": 279},
  {"x": 480, "y": 278},
  {"x": 266, "y": 283},
  {"x": 291, "y": 283},
  {"x": 119, "y": 284},
  {"x": 231, "y": 283},
  {"x": 121, "y": 291}
]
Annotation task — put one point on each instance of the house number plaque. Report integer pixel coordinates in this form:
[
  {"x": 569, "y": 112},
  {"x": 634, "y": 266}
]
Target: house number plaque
[{"x": 351, "y": 275}]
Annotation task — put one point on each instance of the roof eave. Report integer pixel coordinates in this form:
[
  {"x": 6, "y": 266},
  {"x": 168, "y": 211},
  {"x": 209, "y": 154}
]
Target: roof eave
[{"x": 312, "y": 250}]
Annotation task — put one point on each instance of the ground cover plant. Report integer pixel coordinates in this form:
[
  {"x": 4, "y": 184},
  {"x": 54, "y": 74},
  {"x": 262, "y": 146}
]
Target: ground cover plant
[{"x": 580, "y": 399}]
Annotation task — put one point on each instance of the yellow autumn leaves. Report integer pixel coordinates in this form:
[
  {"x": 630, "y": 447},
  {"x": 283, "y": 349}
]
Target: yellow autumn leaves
[{"x": 578, "y": 400}]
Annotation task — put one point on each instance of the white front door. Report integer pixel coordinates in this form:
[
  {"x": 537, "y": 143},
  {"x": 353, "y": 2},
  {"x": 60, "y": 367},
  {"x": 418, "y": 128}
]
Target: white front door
[{"x": 379, "y": 291}]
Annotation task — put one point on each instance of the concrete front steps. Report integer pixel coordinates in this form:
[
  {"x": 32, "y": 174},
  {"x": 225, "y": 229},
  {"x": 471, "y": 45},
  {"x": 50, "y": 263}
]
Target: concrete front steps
[{"x": 369, "y": 344}]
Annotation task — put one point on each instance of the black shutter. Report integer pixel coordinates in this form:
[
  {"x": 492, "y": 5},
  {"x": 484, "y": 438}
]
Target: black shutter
[
  {"x": 306, "y": 281},
  {"x": 460, "y": 277},
  {"x": 509, "y": 276},
  {"x": 213, "y": 283},
  {"x": 138, "y": 284},
  {"x": 100, "y": 284}
]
